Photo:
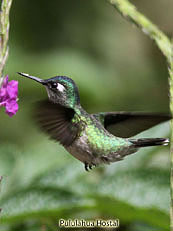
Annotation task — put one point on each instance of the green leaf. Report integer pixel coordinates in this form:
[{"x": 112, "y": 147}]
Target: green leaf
[{"x": 132, "y": 189}]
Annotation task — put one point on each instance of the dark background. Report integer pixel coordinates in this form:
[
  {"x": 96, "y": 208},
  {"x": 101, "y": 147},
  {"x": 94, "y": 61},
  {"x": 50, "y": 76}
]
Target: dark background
[{"x": 116, "y": 67}]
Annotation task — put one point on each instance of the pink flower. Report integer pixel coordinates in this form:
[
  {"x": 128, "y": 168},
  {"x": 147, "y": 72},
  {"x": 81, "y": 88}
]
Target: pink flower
[{"x": 8, "y": 96}]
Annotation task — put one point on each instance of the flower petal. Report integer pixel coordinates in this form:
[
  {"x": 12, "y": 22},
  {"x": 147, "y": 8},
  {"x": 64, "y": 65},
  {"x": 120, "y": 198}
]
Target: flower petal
[
  {"x": 3, "y": 104},
  {"x": 8, "y": 96},
  {"x": 5, "y": 82},
  {"x": 11, "y": 107},
  {"x": 3, "y": 93},
  {"x": 12, "y": 89}
]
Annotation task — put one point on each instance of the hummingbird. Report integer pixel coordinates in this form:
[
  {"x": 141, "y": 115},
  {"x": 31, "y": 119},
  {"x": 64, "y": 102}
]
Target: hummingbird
[{"x": 93, "y": 139}]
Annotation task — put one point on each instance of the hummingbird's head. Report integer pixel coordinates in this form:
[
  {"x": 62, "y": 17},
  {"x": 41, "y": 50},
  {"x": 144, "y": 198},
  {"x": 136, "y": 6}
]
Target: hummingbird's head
[{"x": 60, "y": 89}]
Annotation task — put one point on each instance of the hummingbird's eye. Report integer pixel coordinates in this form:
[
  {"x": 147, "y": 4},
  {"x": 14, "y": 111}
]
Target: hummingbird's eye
[
  {"x": 57, "y": 86},
  {"x": 54, "y": 85}
]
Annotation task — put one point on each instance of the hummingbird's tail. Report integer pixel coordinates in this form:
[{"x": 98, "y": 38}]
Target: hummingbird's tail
[{"x": 146, "y": 142}]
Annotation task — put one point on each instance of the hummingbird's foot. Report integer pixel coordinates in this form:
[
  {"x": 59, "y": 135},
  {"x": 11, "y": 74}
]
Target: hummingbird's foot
[
  {"x": 86, "y": 167},
  {"x": 90, "y": 166}
]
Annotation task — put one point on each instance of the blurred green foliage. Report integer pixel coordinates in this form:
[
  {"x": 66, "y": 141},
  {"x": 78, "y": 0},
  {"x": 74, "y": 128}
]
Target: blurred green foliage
[{"x": 115, "y": 67}]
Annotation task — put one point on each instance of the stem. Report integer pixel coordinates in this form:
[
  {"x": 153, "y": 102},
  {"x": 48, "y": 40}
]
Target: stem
[
  {"x": 129, "y": 11},
  {"x": 4, "y": 33},
  {"x": 171, "y": 144},
  {"x": 0, "y": 188}
]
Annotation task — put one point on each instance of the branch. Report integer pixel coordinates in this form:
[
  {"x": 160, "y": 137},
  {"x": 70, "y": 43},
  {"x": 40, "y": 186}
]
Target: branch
[
  {"x": 4, "y": 33},
  {"x": 128, "y": 10}
]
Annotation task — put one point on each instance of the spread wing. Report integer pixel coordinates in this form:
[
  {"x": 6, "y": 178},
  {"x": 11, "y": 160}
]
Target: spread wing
[
  {"x": 128, "y": 124},
  {"x": 56, "y": 121}
]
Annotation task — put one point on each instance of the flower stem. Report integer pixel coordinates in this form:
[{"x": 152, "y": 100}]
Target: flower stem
[
  {"x": 129, "y": 11},
  {"x": 0, "y": 188},
  {"x": 4, "y": 34},
  {"x": 171, "y": 149}
]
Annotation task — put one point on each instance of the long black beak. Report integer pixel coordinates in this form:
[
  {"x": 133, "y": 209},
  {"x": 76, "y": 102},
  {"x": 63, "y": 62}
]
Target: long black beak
[{"x": 42, "y": 81}]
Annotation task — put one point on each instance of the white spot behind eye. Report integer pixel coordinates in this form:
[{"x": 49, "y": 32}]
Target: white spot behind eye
[{"x": 60, "y": 87}]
